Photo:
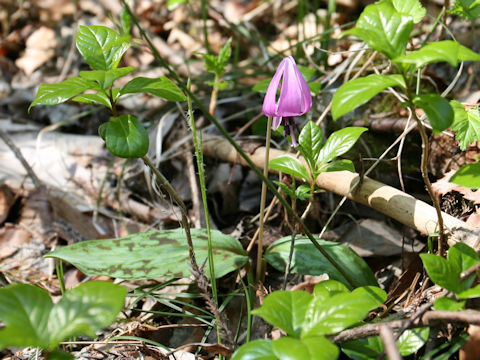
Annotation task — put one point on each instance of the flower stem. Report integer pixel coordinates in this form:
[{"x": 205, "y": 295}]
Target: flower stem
[
  {"x": 263, "y": 200},
  {"x": 214, "y": 96}
]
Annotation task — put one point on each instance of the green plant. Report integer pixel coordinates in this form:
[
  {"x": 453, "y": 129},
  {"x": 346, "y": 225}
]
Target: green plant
[{"x": 32, "y": 319}]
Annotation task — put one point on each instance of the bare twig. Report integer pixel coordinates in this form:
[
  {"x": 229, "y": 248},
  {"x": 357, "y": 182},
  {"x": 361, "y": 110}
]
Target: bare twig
[{"x": 391, "y": 350}]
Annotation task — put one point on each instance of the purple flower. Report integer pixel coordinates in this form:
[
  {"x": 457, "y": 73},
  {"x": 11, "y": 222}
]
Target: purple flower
[{"x": 294, "y": 100}]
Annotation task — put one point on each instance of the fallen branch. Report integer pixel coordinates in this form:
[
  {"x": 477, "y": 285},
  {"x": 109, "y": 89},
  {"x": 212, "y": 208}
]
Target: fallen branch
[{"x": 386, "y": 199}]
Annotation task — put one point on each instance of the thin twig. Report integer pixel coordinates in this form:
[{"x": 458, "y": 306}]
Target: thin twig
[{"x": 386, "y": 334}]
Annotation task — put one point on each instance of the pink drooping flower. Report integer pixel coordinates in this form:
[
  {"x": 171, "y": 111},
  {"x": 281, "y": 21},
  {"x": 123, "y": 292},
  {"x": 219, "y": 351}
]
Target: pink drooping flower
[{"x": 294, "y": 100}]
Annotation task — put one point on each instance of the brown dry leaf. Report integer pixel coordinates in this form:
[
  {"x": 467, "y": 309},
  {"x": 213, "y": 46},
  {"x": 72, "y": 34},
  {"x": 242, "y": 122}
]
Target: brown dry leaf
[
  {"x": 11, "y": 239},
  {"x": 474, "y": 220},
  {"x": 6, "y": 201},
  {"x": 471, "y": 349},
  {"x": 40, "y": 47},
  {"x": 444, "y": 186}
]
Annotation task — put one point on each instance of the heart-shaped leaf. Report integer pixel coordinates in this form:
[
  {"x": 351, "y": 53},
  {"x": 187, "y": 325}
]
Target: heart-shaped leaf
[
  {"x": 358, "y": 91},
  {"x": 101, "y": 47},
  {"x": 153, "y": 254},
  {"x": 125, "y": 137}
]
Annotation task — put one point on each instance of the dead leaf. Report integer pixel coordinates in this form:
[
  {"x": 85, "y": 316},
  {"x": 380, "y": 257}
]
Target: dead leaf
[
  {"x": 40, "y": 47},
  {"x": 471, "y": 349},
  {"x": 11, "y": 239},
  {"x": 6, "y": 201}
]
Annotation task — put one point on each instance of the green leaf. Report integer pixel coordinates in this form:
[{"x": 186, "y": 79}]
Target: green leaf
[
  {"x": 285, "y": 188},
  {"x": 260, "y": 349},
  {"x": 466, "y": 124},
  {"x": 106, "y": 77},
  {"x": 468, "y": 176},
  {"x": 285, "y": 310},
  {"x": 438, "y": 110},
  {"x": 99, "y": 97},
  {"x": 60, "y": 355},
  {"x": 84, "y": 310},
  {"x": 470, "y": 293},
  {"x": 210, "y": 62},
  {"x": 316, "y": 348},
  {"x": 340, "y": 311},
  {"x": 224, "y": 56},
  {"x": 448, "y": 304},
  {"x": 315, "y": 87},
  {"x": 307, "y": 72},
  {"x": 468, "y": 9},
  {"x": 358, "y": 91},
  {"x": 54, "y": 94},
  {"x": 303, "y": 192},
  {"x": 262, "y": 85},
  {"x": 441, "y": 272},
  {"x": 410, "y": 7},
  {"x": 24, "y": 310},
  {"x": 153, "y": 254},
  {"x": 173, "y": 4},
  {"x": 412, "y": 340},
  {"x": 339, "y": 165},
  {"x": 31, "y": 318},
  {"x": 101, "y": 47},
  {"x": 462, "y": 257},
  {"x": 126, "y": 137},
  {"x": 307, "y": 260},
  {"x": 383, "y": 28},
  {"x": 289, "y": 165},
  {"x": 161, "y": 87},
  {"x": 328, "y": 288},
  {"x": 338, "y": 143},
  {"x": 439, "y": 51},
  {"x": 363, "y": 349},
  {"x": 310, "y": 141}
]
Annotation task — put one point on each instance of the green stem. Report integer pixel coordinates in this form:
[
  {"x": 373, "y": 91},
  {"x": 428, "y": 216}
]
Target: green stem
[
  {"x": 263, "y": 200},
  {"x": 247, "y": 159},
  {"x": 203, "y": 190}
]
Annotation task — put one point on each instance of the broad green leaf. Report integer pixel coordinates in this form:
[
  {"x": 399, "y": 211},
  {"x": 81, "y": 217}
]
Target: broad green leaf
[
  {"x": 310, "y": 141},
  {"x": 260, "y": 349},
  {"x": 24, "y": 310},
  {"x": 339, "y": 165},
  {"x": 303, "y": 192},
  {"x": 383, "y": 28},
  {"x": 126, "y": 137},
  {"x": 153, "y": 254},
  {"x": 448, "y": 304},
  {"x": 106, "y": 77},
  {"x": 99, "y": 97},
  {"x": 307, "y": 72},
  {"x": 161, "y": 87},
  {"x": 285, "y": 188},
  {"x": 338, "y": 143},
  {"x": 466, "y": 124},
  {"x": 289, "y": 165},
  {"x": 358, "y": 91},
  {"x": 410, "y": 7},
  {"x": 101, "y": 47},
  {"x": 316, "y": 348},
  {"x": 470, "y": 293},
  {"x": 439, "y": 51},
  {"x": 438, "y": 110},
  {"x": 328, "y": 288},
  {"x": 468, "y": 9},
  {"x": 463, "y": 257},
  {"x": 363, "y": 349},
  {"x": 285, "y": 310},
  {"x": 412, "y": 340},
  {"x": 468, "y": 176},
  {"x": 262, "y": 85},
  {"x": 441, "y": 272},
  {"x": 307, "y": 260},
  {"x": 54, "y": 94},
  {"x": 84, "y": 310},
  {"x": 340, "y": 311}
]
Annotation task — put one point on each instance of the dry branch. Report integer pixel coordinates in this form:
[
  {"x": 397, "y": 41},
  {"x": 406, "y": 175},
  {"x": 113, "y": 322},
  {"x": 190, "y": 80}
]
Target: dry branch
[{"x": 386, "y": 199}]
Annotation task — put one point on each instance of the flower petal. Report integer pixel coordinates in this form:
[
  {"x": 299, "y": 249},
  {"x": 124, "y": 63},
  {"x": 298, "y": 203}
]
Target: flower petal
[
  {"x": 295, "y": 96},
  {"x": 306, "y": 97},
  {"x": 277, "y": 121},
  {"x": 270, "y": 101}
]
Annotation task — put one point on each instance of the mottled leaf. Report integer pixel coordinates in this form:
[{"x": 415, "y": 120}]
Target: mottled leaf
[{"x": 153, "y": 254}]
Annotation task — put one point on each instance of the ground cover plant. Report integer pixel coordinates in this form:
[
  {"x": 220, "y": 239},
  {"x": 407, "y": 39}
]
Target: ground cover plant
[{"x": 139, "y": 241}]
